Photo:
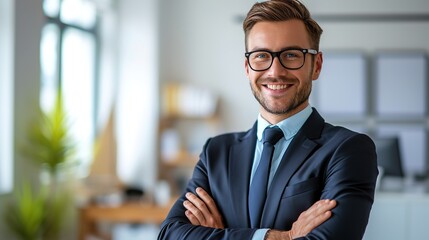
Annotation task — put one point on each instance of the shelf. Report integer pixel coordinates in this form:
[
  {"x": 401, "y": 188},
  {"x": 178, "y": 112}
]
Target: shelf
[
  {"x": 171, "y": 120},
  {"x": 183, "y": 159},
  {"x": 181, "y": 135}
]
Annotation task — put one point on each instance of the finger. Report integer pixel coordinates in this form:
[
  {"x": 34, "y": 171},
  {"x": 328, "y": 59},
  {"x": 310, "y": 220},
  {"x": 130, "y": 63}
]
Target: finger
[
  {"x": 324, "y": 206},
  {"x": 195, "y": 211},
  {"x": 320, "y": 207},
  {"x": 315, "y": 222},
  {"x": 198, "y": 203},
  {"x": 318, "y": 214},
  {"x": 192, "y": 218},
  {"x": 318, "y": 219},
  {"x": 208, "y": 200}
]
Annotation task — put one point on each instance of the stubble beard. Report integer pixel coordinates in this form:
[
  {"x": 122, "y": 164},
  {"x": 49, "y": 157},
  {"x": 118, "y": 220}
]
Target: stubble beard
[{"x": 300, "y": 97}]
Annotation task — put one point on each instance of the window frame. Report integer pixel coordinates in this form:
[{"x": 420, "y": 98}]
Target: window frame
[
  {"x": 6, "y": 96},
  {"x": 95, "y": 33},
  {"x": 62, "y": 29}
]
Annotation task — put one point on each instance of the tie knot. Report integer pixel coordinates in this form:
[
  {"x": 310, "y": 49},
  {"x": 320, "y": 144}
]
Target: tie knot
[{"x": 272, "y": 135}]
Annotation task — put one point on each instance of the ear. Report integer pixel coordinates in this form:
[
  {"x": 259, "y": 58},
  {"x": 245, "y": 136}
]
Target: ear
[
  {"x": 246, "y": 67},
  {"x": 317, "y": 68}
]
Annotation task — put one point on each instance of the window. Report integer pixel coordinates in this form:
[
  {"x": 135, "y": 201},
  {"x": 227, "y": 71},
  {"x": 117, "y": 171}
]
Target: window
[
  {"x": 69, "y": 62},
  {"x": 6, "y": 96}
]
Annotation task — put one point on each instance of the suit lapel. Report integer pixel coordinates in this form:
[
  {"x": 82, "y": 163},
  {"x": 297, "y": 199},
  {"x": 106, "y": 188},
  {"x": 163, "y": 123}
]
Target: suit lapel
[
  {"x": 240, "y": 165},
  {"x": 298, "y": 151}
]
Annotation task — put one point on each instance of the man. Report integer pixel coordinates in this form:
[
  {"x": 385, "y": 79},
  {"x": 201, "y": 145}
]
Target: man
[{"x": 312, "y": 161}]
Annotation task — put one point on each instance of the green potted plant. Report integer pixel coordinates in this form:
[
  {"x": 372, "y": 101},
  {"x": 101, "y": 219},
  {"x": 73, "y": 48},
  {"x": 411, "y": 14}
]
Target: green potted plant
[
  {"x": 26, "y": 216},
  {"x": 39, "y": 211},
  {"x": 51, "y": 146}
]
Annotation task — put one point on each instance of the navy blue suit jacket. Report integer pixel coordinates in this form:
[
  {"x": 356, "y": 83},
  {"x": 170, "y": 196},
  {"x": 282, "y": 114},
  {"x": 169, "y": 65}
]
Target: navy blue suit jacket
[{"x": 322, "y": 162}]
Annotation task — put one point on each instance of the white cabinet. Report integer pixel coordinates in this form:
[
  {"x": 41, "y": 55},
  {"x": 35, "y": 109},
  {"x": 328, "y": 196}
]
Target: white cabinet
[{"x": 399, "y": 216}]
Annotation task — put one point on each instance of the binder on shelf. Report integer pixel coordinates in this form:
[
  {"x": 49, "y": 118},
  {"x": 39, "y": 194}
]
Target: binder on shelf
[{"x": 188, "y": 101}]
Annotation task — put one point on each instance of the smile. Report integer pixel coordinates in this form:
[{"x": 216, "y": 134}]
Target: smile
[{"x": 276, "y": 86}]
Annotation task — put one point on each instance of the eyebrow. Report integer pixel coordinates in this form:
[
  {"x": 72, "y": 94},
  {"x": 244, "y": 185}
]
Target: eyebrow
[{"x": 282, "y": 49}]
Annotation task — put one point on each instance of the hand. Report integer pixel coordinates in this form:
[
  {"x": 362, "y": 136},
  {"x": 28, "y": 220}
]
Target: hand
[
  {"x": 318, "y": 213},
  {"x": 202, "y": 210},
  {"x": 313, "y": 217}
]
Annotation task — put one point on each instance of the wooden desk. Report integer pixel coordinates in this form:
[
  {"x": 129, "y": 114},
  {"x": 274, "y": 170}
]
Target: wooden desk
[{"x": 125, "y": 213}]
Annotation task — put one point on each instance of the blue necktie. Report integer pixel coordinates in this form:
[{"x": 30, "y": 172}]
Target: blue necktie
[{"x": 258, "y": 187}]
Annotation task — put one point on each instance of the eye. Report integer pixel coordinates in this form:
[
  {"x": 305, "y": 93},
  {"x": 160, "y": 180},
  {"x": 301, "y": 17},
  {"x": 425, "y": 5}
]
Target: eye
[
  {"x": 291, "y": 55},
  {"x": 260, "y": 55}
]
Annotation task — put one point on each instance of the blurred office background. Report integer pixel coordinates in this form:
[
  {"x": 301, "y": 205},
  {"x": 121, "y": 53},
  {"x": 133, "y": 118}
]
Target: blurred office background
[{"x": 136, "y": 75}]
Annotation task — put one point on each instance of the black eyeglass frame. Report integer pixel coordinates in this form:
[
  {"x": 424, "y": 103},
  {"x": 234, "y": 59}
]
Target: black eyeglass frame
[{"x": 277, "y": 54}]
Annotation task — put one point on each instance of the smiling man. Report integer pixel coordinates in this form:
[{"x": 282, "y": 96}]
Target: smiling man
[{"x": 292, "y": 175}]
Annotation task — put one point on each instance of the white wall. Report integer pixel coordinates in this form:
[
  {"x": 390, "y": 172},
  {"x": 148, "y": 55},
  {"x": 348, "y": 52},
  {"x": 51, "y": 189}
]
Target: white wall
[
  {"x": 369, "y": 36},
  {"x": 398, "y": 216},
  {"x": 137, "y": 98},
  {"x": 366, "y": 6}
]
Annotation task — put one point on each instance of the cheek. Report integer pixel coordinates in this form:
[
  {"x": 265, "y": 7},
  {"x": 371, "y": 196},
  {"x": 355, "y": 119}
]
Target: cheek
[
  {"x": 307, "y": 75},
  {"x": 253, "y": 77}
]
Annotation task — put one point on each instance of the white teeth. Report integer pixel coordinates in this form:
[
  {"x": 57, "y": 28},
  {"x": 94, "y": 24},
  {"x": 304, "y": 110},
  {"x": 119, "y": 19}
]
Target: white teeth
[{"x": 276, "y": 87}]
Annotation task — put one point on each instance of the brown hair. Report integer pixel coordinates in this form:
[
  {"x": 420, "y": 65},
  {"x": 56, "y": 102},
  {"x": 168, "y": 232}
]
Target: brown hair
[{"x": 282, "y": 10}]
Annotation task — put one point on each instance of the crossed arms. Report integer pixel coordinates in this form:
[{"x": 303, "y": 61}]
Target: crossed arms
[{"x": 201, "y": 210}]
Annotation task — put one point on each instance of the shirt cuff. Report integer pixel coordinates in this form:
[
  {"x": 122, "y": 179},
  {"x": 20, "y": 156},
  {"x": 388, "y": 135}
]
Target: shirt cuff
[{"x": 260, "y": 234}]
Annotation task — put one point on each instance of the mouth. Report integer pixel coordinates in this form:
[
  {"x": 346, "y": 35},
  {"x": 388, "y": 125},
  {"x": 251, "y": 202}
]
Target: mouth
[{"x": 277, "y": 86}]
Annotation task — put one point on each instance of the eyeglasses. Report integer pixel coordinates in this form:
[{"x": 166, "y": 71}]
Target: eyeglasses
[{"x": 293, "y": 59}]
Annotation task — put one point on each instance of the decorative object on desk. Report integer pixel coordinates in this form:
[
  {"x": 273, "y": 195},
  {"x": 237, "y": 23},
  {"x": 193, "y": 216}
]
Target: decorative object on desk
[
  {"x": 102, "y": 181},
  {"x": 109, "y": 199},
  {"x": 170, "y": 144},
  {"x": 134, "y": 194},
  {"x": 52, "y": 150},
  {"x": 162, "y": 193}
]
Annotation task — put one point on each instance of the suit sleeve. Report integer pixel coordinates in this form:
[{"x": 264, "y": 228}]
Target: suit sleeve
[
  {"x": 350, "y": 180},
  {"x": 177, "y": 226}
]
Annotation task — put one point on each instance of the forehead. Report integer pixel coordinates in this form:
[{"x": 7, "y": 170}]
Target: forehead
[{"x": 278, "y": 35}]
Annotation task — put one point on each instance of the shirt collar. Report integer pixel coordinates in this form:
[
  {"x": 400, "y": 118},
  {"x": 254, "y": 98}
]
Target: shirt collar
[{"x": 290, "y": 126}]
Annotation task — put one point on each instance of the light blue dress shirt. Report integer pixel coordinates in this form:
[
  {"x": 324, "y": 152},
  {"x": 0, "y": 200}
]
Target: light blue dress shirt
[{"x": 290, "y": 127}]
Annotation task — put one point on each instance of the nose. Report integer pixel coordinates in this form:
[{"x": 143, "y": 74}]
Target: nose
[{"x": 276, "y": 68}]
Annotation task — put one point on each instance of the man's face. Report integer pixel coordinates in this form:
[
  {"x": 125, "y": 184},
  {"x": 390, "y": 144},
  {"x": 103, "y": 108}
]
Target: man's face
[{"x": 281, "y": 92}]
